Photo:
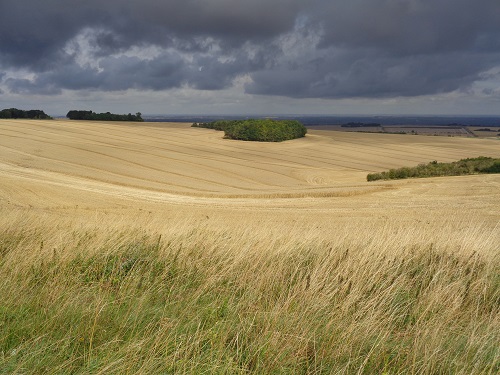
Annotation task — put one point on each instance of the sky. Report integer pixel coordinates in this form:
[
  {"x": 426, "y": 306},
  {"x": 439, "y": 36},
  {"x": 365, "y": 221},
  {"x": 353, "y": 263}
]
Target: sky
[{"x": 436, "y": 57}]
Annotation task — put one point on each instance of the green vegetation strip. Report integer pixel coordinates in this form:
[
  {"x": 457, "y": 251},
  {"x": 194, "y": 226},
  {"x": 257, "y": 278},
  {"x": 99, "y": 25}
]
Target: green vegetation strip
[
  {"x": 261, "y": 130},
  {"x": 462, "y": 167}
]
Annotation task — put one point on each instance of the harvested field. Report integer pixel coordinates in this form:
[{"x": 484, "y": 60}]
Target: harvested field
[
  {"x": 58, "y": 164},
  {"x": 485, "y": 131},
  {"x": 447, "y": 131},
  {"x": 429, "y": 130}
]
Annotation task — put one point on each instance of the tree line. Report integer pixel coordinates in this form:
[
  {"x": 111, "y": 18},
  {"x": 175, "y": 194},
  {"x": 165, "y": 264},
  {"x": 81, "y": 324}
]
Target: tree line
[
  {"x": 261, "y": 130},
  {"x": 15, "y": 113},
  {"x": 108, "y": 116},
  {"x": 462, "y": 167}
]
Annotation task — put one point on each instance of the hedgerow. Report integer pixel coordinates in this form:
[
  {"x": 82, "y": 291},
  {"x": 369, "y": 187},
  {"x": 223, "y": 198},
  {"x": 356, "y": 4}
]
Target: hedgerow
[{"x": 434, "y": 169}]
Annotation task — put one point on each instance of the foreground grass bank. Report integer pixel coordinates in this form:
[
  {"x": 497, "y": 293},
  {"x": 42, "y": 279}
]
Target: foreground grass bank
[
  {"x": 462, "y": 167},
  {"x": 194, "y": 299}
]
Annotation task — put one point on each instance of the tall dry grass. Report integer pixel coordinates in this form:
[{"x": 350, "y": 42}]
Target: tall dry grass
[{"x": 191, "y": 297}]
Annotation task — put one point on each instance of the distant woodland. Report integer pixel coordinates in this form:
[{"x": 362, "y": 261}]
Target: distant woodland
[
  {"x": 19, "y": 113},
  {"x": 108, "y": 116},
  {"x": 261, "y": 130}
]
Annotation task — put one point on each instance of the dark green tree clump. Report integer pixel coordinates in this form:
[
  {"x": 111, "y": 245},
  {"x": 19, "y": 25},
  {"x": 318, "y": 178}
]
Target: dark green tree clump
[
  {"x": 19, "y": 113},
  {"x": 434, "y": 169},
  {"x": 221, "y": 125},
  {"x": 108, "y": 116},
  {"x": 261, "y": 130}
]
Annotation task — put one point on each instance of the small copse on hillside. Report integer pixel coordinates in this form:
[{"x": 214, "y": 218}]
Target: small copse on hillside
[
  {"x": 479, "y": 165},
  {"x": 261, "y": 130}
]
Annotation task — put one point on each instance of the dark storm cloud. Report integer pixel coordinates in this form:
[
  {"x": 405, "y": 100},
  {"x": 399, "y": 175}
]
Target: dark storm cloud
[
  {"x": 168, "y": 70},
  {"x": 366, "y": 74},
  {"x": 409, "y": 26},
  {"x": 31, "y": 30},
  {"x": 314, "y": 48}
]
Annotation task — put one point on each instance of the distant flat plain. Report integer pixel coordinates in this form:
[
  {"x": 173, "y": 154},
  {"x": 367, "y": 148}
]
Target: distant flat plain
[{"x": 72, "y": 168}]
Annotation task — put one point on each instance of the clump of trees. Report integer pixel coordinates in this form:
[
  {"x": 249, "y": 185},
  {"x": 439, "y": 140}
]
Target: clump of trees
[
  {"x": 434, "y": 169},
  {"x": 261, "y": 130},
  {"x": 19, "y": 113},
  {"x": 108, "y": 116},
  {"x": 221, "y": 125}
]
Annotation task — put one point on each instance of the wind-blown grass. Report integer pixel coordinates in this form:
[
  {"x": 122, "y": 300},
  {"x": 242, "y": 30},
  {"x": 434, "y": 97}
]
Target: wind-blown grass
[{"x": 197, "y": 299}]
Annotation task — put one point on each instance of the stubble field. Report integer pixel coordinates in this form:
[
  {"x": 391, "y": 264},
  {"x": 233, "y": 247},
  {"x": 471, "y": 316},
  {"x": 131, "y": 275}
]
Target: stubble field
[{"x": 156, "y": 248}]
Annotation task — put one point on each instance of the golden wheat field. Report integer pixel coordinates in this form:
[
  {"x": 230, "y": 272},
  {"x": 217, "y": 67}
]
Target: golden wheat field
[
  {"x": 161, "y": 248},
  {"x": 70, "y": 168}
]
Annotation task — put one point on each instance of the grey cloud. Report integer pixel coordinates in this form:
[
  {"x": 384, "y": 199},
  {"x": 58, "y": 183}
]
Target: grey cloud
[
  {"x": 117, "y": 74},
  {"x": 364, "y": 48},
  {"x": 226, "y": 19},
  {"x": 214, "y": 75},
  {"x": 409, "y": 26},
  {"x": 166, "y": 71},
  {"x": 366, "y": 74},
  {"x": 2, "y": 75},
  {"x": 32, "y": 30},
  {"x": 26, "y": 86}
]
